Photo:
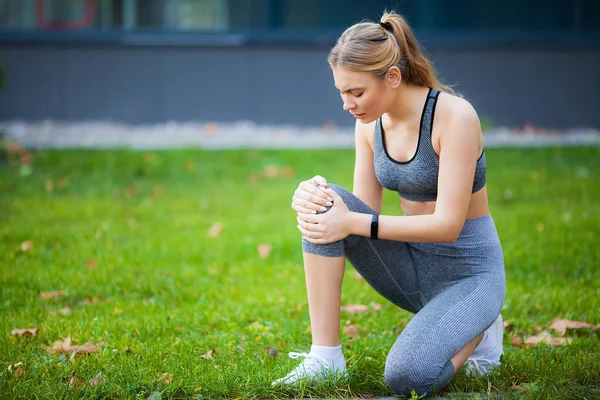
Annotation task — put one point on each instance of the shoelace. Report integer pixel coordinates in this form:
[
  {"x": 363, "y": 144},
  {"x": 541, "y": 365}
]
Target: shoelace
[
  {"x": 479, "y": 364},
  {"x": 309, "y": 357}
]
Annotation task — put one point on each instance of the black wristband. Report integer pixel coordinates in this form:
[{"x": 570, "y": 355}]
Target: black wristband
[{"x": 374, "y": 226}]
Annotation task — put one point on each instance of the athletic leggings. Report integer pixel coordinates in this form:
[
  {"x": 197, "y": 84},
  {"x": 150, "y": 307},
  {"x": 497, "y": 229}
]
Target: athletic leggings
[{"x": 455, "y": 289}]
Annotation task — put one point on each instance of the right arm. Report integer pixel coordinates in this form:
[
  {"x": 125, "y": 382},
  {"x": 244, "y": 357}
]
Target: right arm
[{"x": 366, "y": 186}]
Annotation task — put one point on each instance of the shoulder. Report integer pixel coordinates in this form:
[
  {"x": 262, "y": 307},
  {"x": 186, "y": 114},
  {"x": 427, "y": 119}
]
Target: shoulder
[{"x": 457, "y": 116}]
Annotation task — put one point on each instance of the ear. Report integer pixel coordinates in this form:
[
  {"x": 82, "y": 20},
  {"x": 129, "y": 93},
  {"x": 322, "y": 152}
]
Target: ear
[{"x": 394, "y": 77}]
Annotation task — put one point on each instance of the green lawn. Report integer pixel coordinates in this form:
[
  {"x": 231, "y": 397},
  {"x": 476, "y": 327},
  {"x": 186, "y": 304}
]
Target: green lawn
[{"x": 132, "y": 228}]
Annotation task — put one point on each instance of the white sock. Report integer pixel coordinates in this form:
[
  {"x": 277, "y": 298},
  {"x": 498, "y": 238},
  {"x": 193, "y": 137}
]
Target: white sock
[{"x": 332, "y": 354}]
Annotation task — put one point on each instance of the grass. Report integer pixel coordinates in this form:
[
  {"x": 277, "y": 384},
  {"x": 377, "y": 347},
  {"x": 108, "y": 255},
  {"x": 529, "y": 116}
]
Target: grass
[{"x": 132, "y": 229}]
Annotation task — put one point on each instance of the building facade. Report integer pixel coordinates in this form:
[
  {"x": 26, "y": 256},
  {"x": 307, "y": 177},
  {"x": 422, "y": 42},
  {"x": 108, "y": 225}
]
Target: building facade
[{"x": 148, "y": 61}]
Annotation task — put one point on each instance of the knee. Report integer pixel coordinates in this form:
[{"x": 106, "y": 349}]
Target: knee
[{"x": 403, "y": 379}]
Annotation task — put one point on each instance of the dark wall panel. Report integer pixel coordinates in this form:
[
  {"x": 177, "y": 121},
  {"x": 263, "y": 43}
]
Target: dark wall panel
[{"x": 138, "y": 85}]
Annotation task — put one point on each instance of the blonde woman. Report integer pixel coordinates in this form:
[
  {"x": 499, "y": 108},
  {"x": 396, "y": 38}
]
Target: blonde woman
[{"x": 442, "y": 259}]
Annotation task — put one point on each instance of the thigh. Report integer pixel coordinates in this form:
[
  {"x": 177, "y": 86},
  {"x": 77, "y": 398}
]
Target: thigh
[{"x": 387, "y": 265}]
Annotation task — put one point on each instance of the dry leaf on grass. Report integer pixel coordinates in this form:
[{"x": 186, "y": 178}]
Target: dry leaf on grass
[
  {"x": 25, "y": 332},
  {"x": 561, "y": 325},
  {"x": 517, "y": 341},
  {"x": 75, "y": 382},
  {"x": 97, "y": 380},
  {"x": 15, "y": 365},
  {"x": 165, "y": 377},
  {"x": 215, "y": 230},
  {"x": 65, "y": 347},
  {"x": 552, "y": 341},
  {"x": 264, "y": 250},
  {"x": 65, "y": 311},
  {"x": 360, "y": 308},
  {"x": 18, "y": 372},
  {"x": 208, "y": 355},
  {"x": 51, "y": 295},
  {"x": 355, "y": 308},
  {"x": 351, "y": 330}
]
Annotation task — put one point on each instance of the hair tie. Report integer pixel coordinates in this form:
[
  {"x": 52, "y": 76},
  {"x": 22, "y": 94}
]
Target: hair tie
[{"x": 387, "y": 26}]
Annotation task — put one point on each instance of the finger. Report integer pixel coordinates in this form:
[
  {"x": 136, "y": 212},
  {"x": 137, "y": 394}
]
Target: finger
[
  {"x": 319, "y": 180},
  {"x": 312, "y": 202},
  {"x": 302, "y": 210},
  {"x": 333, "y": 194},
  {"x": 307, "y": 226},
  {"x": 308, "y": 218},
  {"x": 308, "y": 189}
]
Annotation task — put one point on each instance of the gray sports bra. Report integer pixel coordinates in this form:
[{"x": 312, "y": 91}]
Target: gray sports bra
[{"x": 417, "y": 178}]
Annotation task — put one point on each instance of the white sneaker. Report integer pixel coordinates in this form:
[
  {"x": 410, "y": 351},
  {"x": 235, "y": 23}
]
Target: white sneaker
[
  {"x": 487, "y": 354},
  {"x": 312, "y": 370}
]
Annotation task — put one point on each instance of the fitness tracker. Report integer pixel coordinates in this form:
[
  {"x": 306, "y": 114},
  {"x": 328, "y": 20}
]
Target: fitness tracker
[{"x": 374, "y": 226}]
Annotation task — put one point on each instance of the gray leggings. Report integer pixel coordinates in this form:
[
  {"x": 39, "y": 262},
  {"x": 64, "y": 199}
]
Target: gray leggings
[{"x": 455, "y": 289}]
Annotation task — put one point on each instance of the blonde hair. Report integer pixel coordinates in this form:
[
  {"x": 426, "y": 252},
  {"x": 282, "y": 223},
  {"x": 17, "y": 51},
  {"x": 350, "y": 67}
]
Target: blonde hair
[{"x": 375, "y": 47}]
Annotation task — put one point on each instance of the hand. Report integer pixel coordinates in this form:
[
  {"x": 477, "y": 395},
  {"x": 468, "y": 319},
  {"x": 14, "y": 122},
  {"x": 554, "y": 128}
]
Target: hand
[
  {"x": 309, "y": 198},
  {"x": 328, "y": 227}
]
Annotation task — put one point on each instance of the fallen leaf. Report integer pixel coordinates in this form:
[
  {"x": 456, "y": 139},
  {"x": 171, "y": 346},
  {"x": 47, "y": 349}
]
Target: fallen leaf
[
  {"x": 561, "y": 325},
  {"x": 97, "y": 380},
  {"x": 208, "y": 355},
  {"x": 264, "y": 250},
  {"x": 271, "y": 171},
  {"x": 18, "y": 372},
  {"x": 552, "y": 341},
  {"x": 11, "y": 366},
  {"x": 25, "y": 332},
  {"x": 166, "y": 377},
  {"x": 27, "y": 245},
  {"x": 66, "y": 311},
  {"x": 355, "y": 308},
  {"x": 65, "y": 347},
  {"x": 351, "y": 330},
  {"x": 75, "y": 383},
  {"x": 215, "y": 230},
  {"x": 51, "y": 295},
  {"x": 287, "y": 171},
  {"x": 517, "y": 341}
]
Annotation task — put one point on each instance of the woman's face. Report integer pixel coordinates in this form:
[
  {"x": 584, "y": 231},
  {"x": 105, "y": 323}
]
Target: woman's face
[{"x": 364, "y": 95}]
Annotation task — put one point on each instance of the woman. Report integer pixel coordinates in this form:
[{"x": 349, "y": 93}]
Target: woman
[{"x": 442, "y": 260}]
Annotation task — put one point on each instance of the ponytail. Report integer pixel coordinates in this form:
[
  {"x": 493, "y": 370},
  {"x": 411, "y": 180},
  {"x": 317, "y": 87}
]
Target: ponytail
[{"x": 363, "y": 48}]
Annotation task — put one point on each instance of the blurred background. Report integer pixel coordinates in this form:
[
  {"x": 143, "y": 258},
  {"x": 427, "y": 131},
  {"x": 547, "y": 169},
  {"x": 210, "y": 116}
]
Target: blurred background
[{"x": 520, "y": 62}]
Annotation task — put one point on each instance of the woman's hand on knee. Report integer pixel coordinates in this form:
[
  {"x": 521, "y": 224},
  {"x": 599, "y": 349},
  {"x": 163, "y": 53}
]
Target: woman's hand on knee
[{"x": 309, "y": 198}]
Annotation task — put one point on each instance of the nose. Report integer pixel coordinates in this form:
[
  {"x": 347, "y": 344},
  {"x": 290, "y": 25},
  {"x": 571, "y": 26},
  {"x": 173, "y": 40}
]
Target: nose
[{"x": 349, "y": 105}]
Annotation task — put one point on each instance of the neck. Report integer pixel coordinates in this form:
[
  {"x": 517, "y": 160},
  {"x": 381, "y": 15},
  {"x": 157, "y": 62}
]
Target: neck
[{"x": 408, "y": 103}]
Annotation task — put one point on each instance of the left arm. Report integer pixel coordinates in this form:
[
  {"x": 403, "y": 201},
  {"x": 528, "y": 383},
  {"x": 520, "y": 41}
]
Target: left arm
[{"x": 459, "y": 151}]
